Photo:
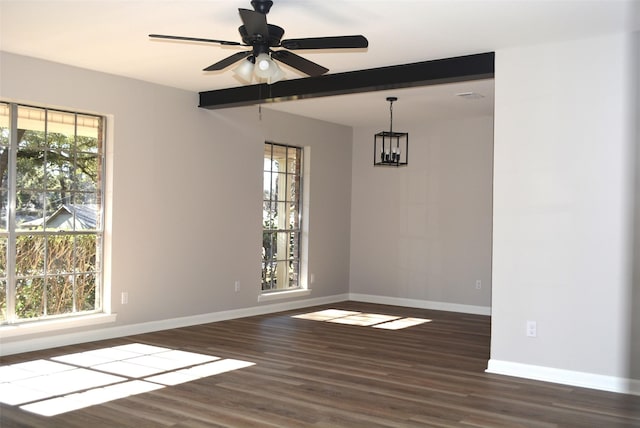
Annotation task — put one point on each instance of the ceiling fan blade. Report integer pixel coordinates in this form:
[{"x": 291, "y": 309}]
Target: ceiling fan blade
[
  {"x": 254, "y": 22},
  {"x": 337, "y": 42},
  {"x": 222, "y": 64},
  {"x": 194, "y": 39},
  {"x": 299, "y": 63}
]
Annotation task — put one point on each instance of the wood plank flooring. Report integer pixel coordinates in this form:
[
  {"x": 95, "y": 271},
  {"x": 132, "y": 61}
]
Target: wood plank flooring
[{"x": 320, "y": 374}]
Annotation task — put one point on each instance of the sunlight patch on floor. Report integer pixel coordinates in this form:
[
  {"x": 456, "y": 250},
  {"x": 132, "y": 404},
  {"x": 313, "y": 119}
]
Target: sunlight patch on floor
[
  {"x": 73, "y": 381},
  {"x": 388, "y": 322}
]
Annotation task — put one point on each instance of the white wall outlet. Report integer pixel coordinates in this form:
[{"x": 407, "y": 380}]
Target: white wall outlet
[
  {"x": 532, "y": 329},
  {"x": 312, "y": 278},
  {"x": 478, "y": 284},
  {"x": 236, "y": 286},
  {"x": 124, "y": 298}
]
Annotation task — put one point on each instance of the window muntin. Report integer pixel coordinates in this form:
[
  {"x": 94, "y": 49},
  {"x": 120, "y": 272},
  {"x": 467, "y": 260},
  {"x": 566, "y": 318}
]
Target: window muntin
[
  {"x": 281, "y": 217},
  {"x": 51, "y": 212}
]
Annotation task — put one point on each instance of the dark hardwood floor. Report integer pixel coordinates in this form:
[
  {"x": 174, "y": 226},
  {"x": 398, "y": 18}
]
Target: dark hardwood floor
[{"x": 321, "y": 374}]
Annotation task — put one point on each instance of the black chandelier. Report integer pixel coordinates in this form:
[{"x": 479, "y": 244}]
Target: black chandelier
[{"x": 391, "y": 148}]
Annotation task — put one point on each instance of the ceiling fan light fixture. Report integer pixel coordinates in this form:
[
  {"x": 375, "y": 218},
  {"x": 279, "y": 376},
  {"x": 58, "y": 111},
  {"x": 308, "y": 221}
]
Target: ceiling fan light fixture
[
  {"x": 277, "y": 74},
  {"x": 244, "y": 71},
  {"x": 264, "y": 67}
]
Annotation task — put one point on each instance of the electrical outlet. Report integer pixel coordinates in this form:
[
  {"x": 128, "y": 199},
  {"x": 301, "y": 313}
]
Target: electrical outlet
[
  {"x": 237, "y": 286},
  {"x": 478, "y": 284},
  {"x": 532, "y": 329},
  {"x": 124, "y": 298}
]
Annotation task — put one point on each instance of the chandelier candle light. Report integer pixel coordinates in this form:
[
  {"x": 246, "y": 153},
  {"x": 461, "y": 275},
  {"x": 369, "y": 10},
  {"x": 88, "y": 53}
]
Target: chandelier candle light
[{"x": 391, "y": 148}]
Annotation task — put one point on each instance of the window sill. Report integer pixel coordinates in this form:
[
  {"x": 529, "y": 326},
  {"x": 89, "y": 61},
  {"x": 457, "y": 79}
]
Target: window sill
[
  {"x": 278, "y": 295},
  {"x": 54, "y": 325}
]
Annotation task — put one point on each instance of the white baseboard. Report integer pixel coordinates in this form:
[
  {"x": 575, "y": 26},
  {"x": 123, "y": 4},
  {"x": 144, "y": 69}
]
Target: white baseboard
[
  {"x": 565, "y": 377},
  {"x": 422, "y": 304},
  {"x": 29, "y": 344}
]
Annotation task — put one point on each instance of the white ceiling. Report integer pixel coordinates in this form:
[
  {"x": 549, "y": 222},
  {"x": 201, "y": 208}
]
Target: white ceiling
[{"x": 111, "y": 36}]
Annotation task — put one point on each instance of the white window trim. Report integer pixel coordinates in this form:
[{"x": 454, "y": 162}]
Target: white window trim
[
  {"x": 285, "y": 294},
  {"x": 37, "y": 327}
]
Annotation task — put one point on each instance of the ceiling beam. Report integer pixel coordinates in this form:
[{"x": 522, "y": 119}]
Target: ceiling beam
[{"x": 448, "y": 70}]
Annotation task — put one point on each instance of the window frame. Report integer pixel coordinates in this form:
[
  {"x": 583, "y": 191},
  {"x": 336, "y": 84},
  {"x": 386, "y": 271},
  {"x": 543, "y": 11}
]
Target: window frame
[
  {"x": 96, "y": 314},
  {"x": 299, "y": 243}
]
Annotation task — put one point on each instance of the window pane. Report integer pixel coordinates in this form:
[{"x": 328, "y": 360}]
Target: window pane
[
  {"x": 268, "y": 246},
  {"x": 86, "y": 249},
  {"x": 60, "y": 252},
  {"x": 60, "y": 172},
  {"x": 86, "y": 292},
  {"x": 30, "y": 255},
  {"x": 86, "y": 172},
  {"x": 293, "y": 188},
  {"x": 29, "y": 210},
  {"x": 29, "y": 297},
  {"x": 59, "y": 294},
  {"x": 279, "y": 186},
  {"x": 294, "y": 160},
  {"x": 30, "y": 168}
]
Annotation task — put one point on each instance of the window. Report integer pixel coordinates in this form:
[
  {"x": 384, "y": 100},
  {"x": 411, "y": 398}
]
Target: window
[
  {"x": 281, "y": 217},
  {"x": 51, "y": 213}
]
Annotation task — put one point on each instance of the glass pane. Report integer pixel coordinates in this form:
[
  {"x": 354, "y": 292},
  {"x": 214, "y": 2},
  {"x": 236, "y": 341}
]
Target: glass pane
[
  {"x": 3, "y": 257},
  {"x": 293, "y": 188},
  {"x": 30, "y": 168},
  {"x": 58, "y": 216},
  {"x": 60, "y": 251},
  {"x": 294, "y": 160},
  {"x": 279, "y": 187},
  {"x": 3, "y": 300},
  {"x": 29, "y": 297},
  {"x": 29, "y": 255},
  {"x": 293, "y": 273},
  {"x": 281, "y": 215},
  {"x": 268, "y": 165},
  {"x": 268, "y": 275},
  {"x": 61, "y": 129},
  {"x": 267, "y": 187},
  {"x": 294, "y": 217},
  {"x": 268, "y": 221},
  {"x": 59, "y": 294},
  {"x": 293, "y": 245},
  {"x": 60, "y": 142},
  {"x": 280, "y": 156},
  {"x": 268, "y": 246},
  {"x": 31, "y": 127},
  {"x": 86, "y": 246},
  {"x": 60, "y": 172},
  {"x": 89, "y": 130},
  {"x": 86, "y": 292},
  {"x": 87, "y": 172},
  {"x": 29, "y": 210},
  {"x": 87, "y": 211}
]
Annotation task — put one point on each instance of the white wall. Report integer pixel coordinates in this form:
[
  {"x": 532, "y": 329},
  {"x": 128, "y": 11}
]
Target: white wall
[
  {"x": 565, "y": 132},
  {"x": 187, "y": 192},
  {"x": 421, "y": 234}
]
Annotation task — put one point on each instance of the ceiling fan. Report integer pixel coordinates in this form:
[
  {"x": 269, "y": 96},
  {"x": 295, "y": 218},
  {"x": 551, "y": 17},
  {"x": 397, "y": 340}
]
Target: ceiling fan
[{"x": 262, "y": 37}]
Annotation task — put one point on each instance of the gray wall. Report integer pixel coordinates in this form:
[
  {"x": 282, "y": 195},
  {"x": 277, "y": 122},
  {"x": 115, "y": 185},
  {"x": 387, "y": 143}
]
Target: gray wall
[
  {"x": 423, "y": 232},
  {"x": 564, "y": 192},
  {"x": 186, "y": 196}
]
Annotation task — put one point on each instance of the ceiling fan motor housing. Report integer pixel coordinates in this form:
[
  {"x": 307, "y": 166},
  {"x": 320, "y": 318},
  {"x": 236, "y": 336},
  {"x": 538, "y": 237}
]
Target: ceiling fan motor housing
[{"x": 262, "y": 6}]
